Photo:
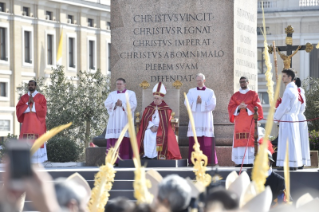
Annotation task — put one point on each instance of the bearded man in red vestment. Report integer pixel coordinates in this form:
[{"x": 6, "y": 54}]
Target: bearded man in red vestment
[
  {"x": 31, "y": 111},
  {"x": 241, "y": 111},
  {"x": 156, "y": 138}
]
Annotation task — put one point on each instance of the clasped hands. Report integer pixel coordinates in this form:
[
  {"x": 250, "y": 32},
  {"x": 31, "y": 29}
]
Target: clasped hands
[
  {"x": 31, "y": 101},
  {"x": 242, "y": 106},
  {"x": 154, "y": 129},
  {"x": 199, "y": 100},
  {"x": 118, "y": 103}
]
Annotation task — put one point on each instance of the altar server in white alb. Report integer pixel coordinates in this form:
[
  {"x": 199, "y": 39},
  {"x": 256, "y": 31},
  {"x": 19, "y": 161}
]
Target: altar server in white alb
[
  {"x": 116, "y": 108},
  {"x": 303, "y": 126},
  {"x": 202, "y": 101},
  {"x": 288, "y": 110}
]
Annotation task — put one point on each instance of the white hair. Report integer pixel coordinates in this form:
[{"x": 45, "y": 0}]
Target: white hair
[
  {"x": 176, "y": 191},
  {"x": 200, "y": 75}
]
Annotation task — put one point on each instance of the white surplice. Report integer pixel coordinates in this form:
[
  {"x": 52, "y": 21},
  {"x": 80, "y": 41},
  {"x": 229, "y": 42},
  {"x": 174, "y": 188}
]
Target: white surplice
[
  {"x": 41, "y": 154},
  {"x": 288, "y": 111},
  {"x": 202, "y": 113},
  {"x": 150, "y": 137},
  {"x": 303, "y": 129},
  {"x": 239, "y": 152},
  {"x": 117, "y": 115}
]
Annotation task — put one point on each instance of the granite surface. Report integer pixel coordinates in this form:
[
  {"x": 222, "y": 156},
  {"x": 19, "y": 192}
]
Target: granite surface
[{"x": 165, "y": 40}]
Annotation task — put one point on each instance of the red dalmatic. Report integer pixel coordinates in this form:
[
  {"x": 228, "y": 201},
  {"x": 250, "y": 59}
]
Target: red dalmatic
[
  {"x": 244, "y": 124},
  {"x": 33, "y": 123},
  {"x": 165, "y": 138}
]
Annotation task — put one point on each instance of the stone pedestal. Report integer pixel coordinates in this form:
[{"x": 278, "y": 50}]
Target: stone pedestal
[
  {"x": 95, "y": 156},
  {"x": 165, "y": 41}
]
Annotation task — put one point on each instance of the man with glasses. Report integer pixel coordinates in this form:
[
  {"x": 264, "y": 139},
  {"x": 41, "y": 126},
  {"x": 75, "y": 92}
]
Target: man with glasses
[{"x": 241, "y": 111}]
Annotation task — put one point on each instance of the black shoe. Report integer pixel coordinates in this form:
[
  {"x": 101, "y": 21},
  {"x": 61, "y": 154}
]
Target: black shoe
[
  {"x": 301, "y": 167},
  {"x": 280, "y": 168}
]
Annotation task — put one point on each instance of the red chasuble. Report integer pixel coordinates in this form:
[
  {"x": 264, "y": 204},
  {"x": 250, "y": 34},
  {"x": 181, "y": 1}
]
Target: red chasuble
[
  {"x": 244, "y": 124},
  {"x": 166, "y": 143},
  {"x": 33, "y": 123}
]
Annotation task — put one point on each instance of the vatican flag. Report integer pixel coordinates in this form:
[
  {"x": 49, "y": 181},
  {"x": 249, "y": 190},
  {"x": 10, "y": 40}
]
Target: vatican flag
[{"x": 59, "y": 52}]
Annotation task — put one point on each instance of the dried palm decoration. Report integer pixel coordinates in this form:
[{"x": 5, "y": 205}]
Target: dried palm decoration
[
  {"x": 46, "y": 136},
  {"x": 141, "y": 184},
  {"x": 268, "y": 73},
  {"x": 103, "y": 180},
  {"x": 198, "y": 158},
  {"x": 261, "y": 167}
]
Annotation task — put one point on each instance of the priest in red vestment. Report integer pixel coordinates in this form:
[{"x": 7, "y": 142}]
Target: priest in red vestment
[
  {"x": 241, "y": 110},
  {"x": 156, "y": 138},
  {"x": 31, "y": 111}
]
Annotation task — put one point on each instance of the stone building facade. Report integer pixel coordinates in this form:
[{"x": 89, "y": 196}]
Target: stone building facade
[{"x": 29, "y": 37}]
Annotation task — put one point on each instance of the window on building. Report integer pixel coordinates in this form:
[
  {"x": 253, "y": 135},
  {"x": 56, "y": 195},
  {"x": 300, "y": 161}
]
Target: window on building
[
  {"x": 264, "y": 98},
  {"x": 91, "y": 55},
  {"x": 4, "y": 125},
  {"x": 314, "y": 62},
  {"x": 308, "y": 3},
  {"x": 3, "y": 89},
  {"x": 2, "y": 7},
  {"x": 90, "y": 22},
  {"x": 70, "y": 19},
  {"x": 265, "y": 4},
  {"x": 26, "y": 11},
  {"x": 261, "y": 29},
  {"x": 108, "y": 25},
  {"x": 71, "y": 53},
  {"x": 109, "y": 56},
  {"x": 3, "y": 44},
  {"x": 27, "y": 47},
  {"x": 260, "y": 61},
  {"x": 50, "y": 49},
  {"x": 48, "y": 15}
]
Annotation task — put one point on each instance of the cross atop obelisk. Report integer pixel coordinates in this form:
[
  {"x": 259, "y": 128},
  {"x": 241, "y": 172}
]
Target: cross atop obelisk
[{"x": 289, "y": 48}]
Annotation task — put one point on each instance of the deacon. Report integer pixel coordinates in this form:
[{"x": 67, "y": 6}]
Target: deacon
[
  {"x": 156, "y": 138},
  {"x": 287, "y": 114},
  {"x": 31, "y": 111},
  {"x": 202, "y": 102},
  {"x": 303, "y": 126},
  {"x": 116, "y": 108},
  {"x": 241, "y": 110}
]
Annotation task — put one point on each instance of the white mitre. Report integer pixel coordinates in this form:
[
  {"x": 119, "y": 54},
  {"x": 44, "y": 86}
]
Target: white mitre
[
  {"x": 159, "y": 90},
  {"x": 261, "y": 202}
]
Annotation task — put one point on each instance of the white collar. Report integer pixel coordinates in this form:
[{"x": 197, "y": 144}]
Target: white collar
[
  {"x": 244, "y": 91},
  {"x": 291, "y": 84},
  {"x": 33, "y": 94}
]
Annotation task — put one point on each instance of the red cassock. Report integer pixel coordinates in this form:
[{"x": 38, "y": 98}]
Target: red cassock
[
  {"x": 244, "y": 124},
  {"x": 33, "y": 123},
  {"x": 166, "y": 141}
]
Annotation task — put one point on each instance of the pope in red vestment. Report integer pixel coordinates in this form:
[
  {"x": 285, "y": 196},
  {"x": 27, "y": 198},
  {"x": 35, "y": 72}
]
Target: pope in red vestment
[
  {"x": 241, "y": 109},
  {"x": 31, "y": 112},
  {"x": 156, "y": 138}
]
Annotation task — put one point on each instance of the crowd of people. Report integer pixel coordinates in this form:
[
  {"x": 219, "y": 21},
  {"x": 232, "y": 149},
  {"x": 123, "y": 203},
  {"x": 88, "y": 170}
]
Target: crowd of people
[{"x": 174, "y": 194}]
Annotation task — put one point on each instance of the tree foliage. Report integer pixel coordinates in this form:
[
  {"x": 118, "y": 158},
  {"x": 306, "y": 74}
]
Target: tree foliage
[
  {"x": 311, "y": 87},
  {"x": 77, "y": 99}
]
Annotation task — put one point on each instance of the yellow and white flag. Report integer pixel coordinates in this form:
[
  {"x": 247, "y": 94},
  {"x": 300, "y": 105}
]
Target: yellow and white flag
[{"x": 59, "y": 52}]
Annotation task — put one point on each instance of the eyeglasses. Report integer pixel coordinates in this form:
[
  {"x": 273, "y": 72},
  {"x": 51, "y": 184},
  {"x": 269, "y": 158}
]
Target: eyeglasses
[{"x": 242, "y": 81}]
